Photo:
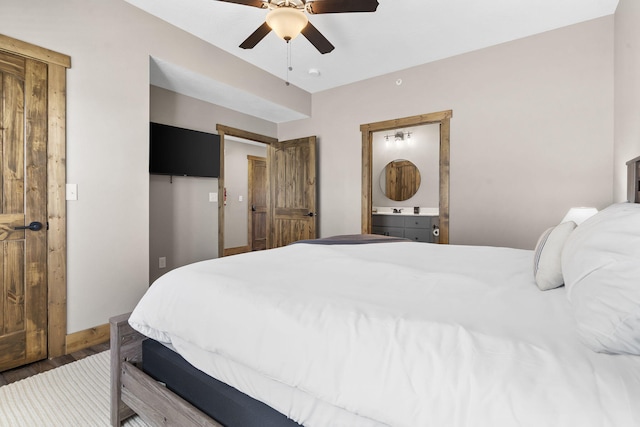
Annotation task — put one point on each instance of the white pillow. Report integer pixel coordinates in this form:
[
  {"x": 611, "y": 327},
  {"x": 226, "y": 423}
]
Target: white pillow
[
  {"x": 547, "y": 268},
  {"x": 601, "y": 267}
]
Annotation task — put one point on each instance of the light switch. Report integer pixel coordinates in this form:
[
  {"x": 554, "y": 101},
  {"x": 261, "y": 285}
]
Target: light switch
[
  {"x": 72, "y": 192},
  {"x": 213, "y": 197},
  {"x": 240, "y": 198}
]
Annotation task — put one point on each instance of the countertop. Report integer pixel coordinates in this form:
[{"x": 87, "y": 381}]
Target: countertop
[{"x": 407, "y": 212}]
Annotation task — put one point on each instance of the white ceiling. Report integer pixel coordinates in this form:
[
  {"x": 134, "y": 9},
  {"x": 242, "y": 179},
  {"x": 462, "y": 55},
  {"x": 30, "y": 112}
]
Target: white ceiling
[
  {"x": 399, "y": 35},
  {"x": 177, "y": 79}
]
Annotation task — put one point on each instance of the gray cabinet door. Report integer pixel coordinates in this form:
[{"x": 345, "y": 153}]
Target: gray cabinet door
[
  {"x": 388, "y": 221},
  {"x": 418, "y": 221},
  {"x": 418, "y": 234},
  {"x": 388, "y": 231},
  {"x": 416, "y": 228},
  {"x": 419, "y": 228}
]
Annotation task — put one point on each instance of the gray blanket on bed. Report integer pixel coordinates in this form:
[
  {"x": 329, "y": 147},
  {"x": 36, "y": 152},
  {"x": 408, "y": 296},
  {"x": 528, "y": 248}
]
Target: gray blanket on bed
[{"x": 353, "y": 239}]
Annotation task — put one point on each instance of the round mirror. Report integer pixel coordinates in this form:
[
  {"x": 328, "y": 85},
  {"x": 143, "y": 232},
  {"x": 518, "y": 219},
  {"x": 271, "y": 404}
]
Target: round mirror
[{"x": 400, "y": 180}]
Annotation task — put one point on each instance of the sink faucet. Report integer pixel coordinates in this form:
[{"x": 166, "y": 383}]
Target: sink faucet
[{"x": 397, "y": 210}]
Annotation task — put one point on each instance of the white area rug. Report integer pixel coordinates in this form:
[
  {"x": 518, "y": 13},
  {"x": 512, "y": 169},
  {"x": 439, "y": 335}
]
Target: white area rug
[{"x": 76, "y": 394}]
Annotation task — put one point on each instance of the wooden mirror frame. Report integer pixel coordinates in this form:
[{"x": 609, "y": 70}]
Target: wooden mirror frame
[
  {"x": 391, "y": 184},
  {"x": 443, "y": 119}
]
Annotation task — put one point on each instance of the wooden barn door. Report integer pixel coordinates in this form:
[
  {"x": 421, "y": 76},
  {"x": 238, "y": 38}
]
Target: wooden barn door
[
  {"x": 23, "y": 187},
  {"x": 292, "y": 196}
]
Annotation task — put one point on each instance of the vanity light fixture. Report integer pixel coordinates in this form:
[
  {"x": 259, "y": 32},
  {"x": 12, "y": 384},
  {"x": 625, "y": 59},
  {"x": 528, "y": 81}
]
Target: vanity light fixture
[{"x": 398, "y": 136}]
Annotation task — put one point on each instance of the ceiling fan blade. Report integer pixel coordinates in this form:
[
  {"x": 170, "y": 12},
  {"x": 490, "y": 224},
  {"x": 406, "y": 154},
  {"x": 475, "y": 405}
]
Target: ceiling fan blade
[
  {"x": 342, "y": 6},
  {"x": 254, "y": 3},
  {"x": 317, "y": 39},
  {"x": 257, "y": 35}
]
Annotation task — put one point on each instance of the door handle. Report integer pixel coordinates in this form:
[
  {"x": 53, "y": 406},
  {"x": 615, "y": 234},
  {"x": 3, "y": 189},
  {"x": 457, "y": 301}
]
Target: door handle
[
  {"x": 253, "y": 208},
  {"x": 34, "y": 226},
  {"x": 311, "y": 214}
]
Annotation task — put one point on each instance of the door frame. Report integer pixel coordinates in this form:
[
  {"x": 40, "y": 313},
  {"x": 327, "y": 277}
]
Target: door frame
[
  {"x": 442, "y": 118},
  {"x": 238, "y": 133},
  {"x": 57, "y": 65}
]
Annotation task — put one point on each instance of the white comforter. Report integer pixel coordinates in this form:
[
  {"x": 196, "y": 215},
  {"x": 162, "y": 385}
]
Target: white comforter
[{"x": 398, "y": 334}]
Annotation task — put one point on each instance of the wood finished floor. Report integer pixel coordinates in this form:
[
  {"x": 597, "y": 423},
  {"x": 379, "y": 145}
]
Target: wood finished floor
[{"x": 22, "y": 372}]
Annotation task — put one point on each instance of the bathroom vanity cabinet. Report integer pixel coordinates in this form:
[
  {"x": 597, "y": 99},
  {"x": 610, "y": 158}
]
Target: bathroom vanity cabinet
[{"x": 418, "y": 228}]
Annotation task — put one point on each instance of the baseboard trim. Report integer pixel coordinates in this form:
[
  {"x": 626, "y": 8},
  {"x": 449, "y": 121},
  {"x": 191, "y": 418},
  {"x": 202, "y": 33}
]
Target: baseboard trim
[
  {"x": 235, "y": 251},
  {"x": 87, "y": 338}
]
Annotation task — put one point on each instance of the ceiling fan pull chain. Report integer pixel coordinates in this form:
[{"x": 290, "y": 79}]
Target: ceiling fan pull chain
[
  {"x": 289, "y": 58},
  {"x": 289, "y": 67}
]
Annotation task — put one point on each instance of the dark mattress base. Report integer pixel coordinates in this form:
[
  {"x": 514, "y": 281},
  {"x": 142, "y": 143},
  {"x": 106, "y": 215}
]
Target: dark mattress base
[{"x": 220, "y": 401}]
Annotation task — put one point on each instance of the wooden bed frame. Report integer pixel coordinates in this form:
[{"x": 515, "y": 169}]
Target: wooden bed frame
[{"x": 134, "y": 392}]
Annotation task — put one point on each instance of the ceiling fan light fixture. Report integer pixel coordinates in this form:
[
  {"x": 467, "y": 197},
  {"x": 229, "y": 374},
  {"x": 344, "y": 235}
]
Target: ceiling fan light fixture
[{"x": 287, "y": 22}]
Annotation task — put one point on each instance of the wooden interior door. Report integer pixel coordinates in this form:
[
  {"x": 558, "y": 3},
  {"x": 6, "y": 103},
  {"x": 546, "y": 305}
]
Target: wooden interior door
[
  {"x": 23, "y": 172},
  {"x": 292, "y": 191},
  {"x": 257, "y": 226}
]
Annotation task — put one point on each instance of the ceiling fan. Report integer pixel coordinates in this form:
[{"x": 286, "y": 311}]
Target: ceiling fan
[{"x": 288, "y": 18}]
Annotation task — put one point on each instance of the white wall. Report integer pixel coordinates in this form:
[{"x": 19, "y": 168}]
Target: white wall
[
  {"x": 627, "y": 91},
  {"x": 531, "y": 133},
  {"x": 110, "y": 43}
]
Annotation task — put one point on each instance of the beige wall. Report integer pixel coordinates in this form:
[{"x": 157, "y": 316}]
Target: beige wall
[
  {"x": 627, "y": 91},
  {"x": 531, "y": 134},
  {"x": 110, "y": 43},
  {"x": 183, "y": 223}
]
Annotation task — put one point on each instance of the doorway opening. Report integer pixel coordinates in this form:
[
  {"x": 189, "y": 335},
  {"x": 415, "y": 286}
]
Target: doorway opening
[
  {"x": 244, "y": 195},
  {"x": 291, "y": 188},
  {"x": 236, "y": 201},
  {"x": 394, "y": 126}
]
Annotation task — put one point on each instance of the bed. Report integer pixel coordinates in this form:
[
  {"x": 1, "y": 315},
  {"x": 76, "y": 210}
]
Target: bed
[{"x": 393, "y": 333}]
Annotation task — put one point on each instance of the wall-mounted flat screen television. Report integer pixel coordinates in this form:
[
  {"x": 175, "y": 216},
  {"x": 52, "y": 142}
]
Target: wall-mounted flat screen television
[{"x": 183, "y": 152}]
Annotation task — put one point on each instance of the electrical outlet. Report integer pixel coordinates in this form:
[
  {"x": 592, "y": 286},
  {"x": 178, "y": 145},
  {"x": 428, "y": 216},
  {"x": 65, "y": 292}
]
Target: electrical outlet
[
  {"x": 240, "y": 198},
  {"x": 162, "y": 262}
]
